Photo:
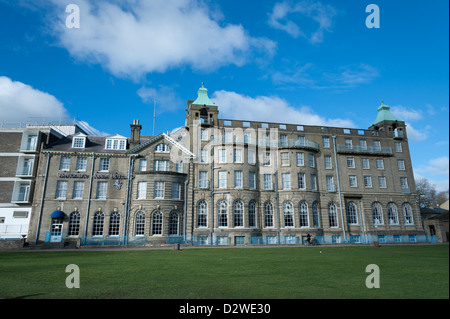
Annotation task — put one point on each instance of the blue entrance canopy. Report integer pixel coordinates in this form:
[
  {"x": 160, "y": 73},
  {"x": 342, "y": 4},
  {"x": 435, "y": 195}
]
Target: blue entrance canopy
[{"x": 58, "y": 214}]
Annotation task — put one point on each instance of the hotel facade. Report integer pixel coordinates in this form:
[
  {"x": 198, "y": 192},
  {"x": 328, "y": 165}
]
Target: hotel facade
[{"x": 228, "y": 182}]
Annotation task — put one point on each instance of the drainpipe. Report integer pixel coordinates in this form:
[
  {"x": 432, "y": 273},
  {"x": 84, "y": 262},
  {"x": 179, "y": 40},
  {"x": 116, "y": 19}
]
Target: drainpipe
[
  {"x": 339, "y": 187},
  {"x": 42, "y": 198},
  {"x": 277, "y": 202},
  {"x": 127, "y": 202},
  {"x": 361, "y": 218},
  {"x": 212, "y": 194},
  {"x": 186, "y": 184},
  {"x": 193, "y": 206},
  {"x": 89, "y": 196},
  {"x": 277, "y": 195}
]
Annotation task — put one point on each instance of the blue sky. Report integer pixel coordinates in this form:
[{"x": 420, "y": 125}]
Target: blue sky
[{"x": 307, "y": 62}]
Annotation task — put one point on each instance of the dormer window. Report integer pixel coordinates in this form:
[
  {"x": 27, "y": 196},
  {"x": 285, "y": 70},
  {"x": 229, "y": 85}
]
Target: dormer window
[
  {"x": 79, "y": 141},
  {"x": 113, "y": 144},
  {"x": 162, "y": 148},
  {"x": 116, "y": 142}
]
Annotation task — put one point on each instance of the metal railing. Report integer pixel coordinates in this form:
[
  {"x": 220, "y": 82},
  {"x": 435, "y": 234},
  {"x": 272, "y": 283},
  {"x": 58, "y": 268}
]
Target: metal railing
[
  {"x": 54, "y": 237},
  {"x": 341, "y": 148},
  {"x": 112, "y": 240},
  {"x": 269, "y": 143},
  {"x": 296, "y": 240},
  {"x": 274, "y": 240}
]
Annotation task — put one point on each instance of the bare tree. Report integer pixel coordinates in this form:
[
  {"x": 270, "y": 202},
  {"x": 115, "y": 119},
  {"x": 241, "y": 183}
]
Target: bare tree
[
  {"x": 442, "y": 197},
  {"x": 426, "y": 193}
]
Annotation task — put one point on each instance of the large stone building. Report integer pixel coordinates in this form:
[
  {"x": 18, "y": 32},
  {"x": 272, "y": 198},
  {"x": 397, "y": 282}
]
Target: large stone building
[{"x": 236, "y": 182}]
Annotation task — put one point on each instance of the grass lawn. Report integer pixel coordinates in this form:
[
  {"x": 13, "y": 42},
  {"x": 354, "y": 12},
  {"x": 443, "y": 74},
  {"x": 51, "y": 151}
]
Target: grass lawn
[{"x": 406, "y": 271}]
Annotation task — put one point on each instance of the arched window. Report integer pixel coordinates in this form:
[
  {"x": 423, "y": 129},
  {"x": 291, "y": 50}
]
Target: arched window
[
  {"x": 238, "y": 213},
  {"x": 315, "y": 213},
  {"x": 303, "y": 214},
  {"x": 268, "y": 215},
  {"x": 157, "y": 223},
  {"x": 74, "y": 224},
  {"x": 252, "y": 214},
  {"x": 352, "y": 214},
  {"x": 202, "y": 214},
  {"x": 140, "y": 223},
  {"x": 114, "y": 224},
  {"x": 332, "y": 215},
  {"x": 223, "y": 218},
  {"x": 407, "y": 214},
  {"x": 377, "y": 214},
  {"x": 162, "y": 148},
  {"x": 173, "y": 223},
  {"x": 288, "y": 212},
  {"x": 392, "y": 214},
  {"x": 97, "y": 225}
]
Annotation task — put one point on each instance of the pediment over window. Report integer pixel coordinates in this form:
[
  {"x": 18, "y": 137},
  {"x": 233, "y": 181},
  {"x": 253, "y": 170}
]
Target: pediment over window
[
  {"x": 79, "y": 140},
  {"x": 116, "y": 142}
]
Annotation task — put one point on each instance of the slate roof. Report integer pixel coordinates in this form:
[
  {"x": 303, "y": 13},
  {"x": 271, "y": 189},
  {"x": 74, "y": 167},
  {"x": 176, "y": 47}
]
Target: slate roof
[{"x": 95, "y": 144}]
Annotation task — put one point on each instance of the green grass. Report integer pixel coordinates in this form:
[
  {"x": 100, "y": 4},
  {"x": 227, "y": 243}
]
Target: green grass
[{"x": 409, "y": 271}]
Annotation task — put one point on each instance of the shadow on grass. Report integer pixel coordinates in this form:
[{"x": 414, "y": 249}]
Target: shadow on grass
[{"x": 25, "y": 296}]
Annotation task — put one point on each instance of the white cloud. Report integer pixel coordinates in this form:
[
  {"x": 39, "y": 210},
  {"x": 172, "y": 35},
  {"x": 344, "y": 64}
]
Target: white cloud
[
  {"x": 21, "y": 102},
  {"x": 417, "y": 135},
  {"x": 284, "y": 14},
  {"x": 437, "y": 167},
  {"x": 352, "y": 75},
  {"x": 436, "y": 171},
  {"x": 269, "y": 109},
  {"x": 406, "y": 114},
  {"x": 132, "y": 38},
  {"x": 308, "y": 76},
  {"x": 440, "y": 185},
  {"x": 166, "y": 98},
  {"x": 409, "y": 115}
]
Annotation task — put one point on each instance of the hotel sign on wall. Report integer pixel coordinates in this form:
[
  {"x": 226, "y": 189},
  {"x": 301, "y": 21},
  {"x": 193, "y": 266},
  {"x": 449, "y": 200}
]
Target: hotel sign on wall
[
  {"x": 116, "y": 176},
  {"x": 96, "y": 175}
]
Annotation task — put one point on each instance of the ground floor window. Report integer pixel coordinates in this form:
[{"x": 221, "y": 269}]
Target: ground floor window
[
  {"x": 57, "y": 224},
  {"x": 352, "y": 216},
  {"x": 392, "y": 214},
  {"x": 74, "y": 224},
  {"x": 332, "y": 214},
  {"x": 173, "y": 223},
  {"x": 303, "y": 216},
  {"x": 288, "y": 210},
  {"x": 268, "y": 214},
  {"x": 223, "y": 218},
  {"x": 252, "y": 214},
  {"x": 114, "y": 224},
  {"x": 315, "y": 213},
  {"x": 97, "y": 225},
  {"x": 238, "y": 214},
  {"x": 157, "y": 224},
  {"x": 202, "y": 210},
  {"x": 407, "y": 212},
  {"x": 377, "y": 214},
  {"x": 140, "y": 223}
]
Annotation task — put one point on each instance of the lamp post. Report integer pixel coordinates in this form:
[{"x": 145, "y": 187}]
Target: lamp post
[
  {"x": 375, "y": 242},
  {"x": 23, "y": 237}
]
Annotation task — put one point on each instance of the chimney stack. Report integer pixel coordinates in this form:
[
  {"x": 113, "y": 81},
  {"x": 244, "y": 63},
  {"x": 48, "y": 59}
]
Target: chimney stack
[{"x": 135, "y": 138}]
